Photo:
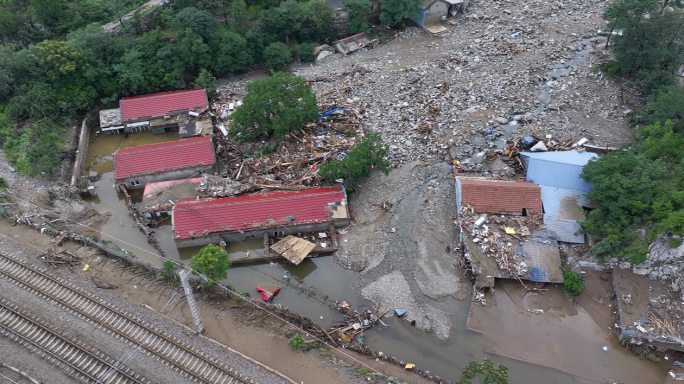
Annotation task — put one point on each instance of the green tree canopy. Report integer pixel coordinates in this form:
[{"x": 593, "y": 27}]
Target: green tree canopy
[
  {"x": 8, "y": 26},
  {"x": 199, "y": 21},
  {"x": 368, "y": 154},
  {"x": 394, "y": 11},
  {"x": 277, "y": 56},
  {"x": 231, "y": 52},
  {"x": 358, "y": 12},
  {"x": 207, "y": 81},
  {"x": 639, "y": 187},
  {"x": 305, "y": 22},
  {"x": 212, "y": 262},
  {"x": 275, "y": 105}
]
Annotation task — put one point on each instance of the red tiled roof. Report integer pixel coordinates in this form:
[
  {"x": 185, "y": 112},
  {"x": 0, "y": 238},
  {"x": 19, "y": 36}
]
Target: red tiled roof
[
  {"x": 248, "y": 211},
  {"x": 162, "y": 103},
  {"x": 163, "y": 156},
  {"x": 496, "y": 196}
]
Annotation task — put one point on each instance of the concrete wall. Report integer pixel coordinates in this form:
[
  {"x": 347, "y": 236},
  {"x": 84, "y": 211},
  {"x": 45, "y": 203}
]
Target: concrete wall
[
  {"x": 162, "y": 176},
  {"x": 79, "y": 163},
  {"x": 215, "y": 238},
  {"x": 435, "y": 12}
]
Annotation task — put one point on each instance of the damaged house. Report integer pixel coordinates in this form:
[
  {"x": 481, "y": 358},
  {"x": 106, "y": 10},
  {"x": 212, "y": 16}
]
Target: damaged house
[
  {"x": 501, "y": 232},
  {"x": 563, "y": 191},
  {"x": 274, "y": 213},
  {"x": 432, "y": 12},
  {"x": 136, "y": 166},
  {"x": 161, "y": 113}
]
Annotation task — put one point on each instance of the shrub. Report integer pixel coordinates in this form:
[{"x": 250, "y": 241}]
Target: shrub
[
  {"x": 298, "y": 343},
  {"x": 675, "y": 243},
  {"x": 169, "y": 269},
  {"x": 277, "y": 56},
  {"x": 3, "y": 184},
  {"x": 306, "y": 52},
  {"x": 368, "y": 154},
  {"x": 574, "y": 284}
]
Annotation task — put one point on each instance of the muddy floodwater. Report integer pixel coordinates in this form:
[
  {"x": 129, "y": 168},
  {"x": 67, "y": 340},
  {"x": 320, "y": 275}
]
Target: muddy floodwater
[{"x": 492, "y": 338}]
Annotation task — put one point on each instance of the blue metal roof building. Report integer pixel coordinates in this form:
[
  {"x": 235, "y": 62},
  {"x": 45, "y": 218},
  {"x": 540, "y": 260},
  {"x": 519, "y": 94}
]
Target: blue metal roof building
[
  {"x": 560, "y": 169},
  {"x": 564, "y": 192}
]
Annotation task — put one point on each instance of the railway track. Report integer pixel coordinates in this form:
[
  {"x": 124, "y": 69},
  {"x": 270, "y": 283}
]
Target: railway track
[
  {"x": 185, "y": 359},
  {"x": 77, "y": 359}
]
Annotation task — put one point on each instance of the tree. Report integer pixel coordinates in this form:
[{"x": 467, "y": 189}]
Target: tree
[
  {"x": 306, "y": 52},
  {"x": 232, "y": 53},
  {"x": 277, "y": 56},
  {"x": 368, "y": 154},
  {"x": 238, "y": 12},
  {"x": 640, "y": 189},
  {"x": 200, "y": 22},
  {"x": 8, "y": 26},
  {"x": 358, "y": 13},
  {"x": 192, "y": 53},
  {"x": 305, "y": 22},
  {"x": 207, "y": 81},
  {"x": 394, "y": 11},
  {"x": 212, "y": 262},
  {"x": 574, "y": 283},
  {"x": 47, "y": 11},
  {"x": 275, "y": 105},
  {"x": 668, "y": 104},
  {"x": 487, "y": 372}
]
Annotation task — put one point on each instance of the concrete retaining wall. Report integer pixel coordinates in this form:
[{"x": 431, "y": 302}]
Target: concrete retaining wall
[{"x": 79, "y": 164}]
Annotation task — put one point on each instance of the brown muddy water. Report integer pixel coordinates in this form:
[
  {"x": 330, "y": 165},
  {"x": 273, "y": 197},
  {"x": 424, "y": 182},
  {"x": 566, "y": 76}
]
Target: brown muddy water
[{"x": 399, "y": 339}]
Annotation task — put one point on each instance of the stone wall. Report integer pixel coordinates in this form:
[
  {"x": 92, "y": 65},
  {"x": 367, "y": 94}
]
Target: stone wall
[{"x": 82, "y": 152}]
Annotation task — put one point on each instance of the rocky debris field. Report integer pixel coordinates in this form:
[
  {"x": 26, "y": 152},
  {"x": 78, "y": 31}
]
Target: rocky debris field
[{"x": 506, "y": 71}]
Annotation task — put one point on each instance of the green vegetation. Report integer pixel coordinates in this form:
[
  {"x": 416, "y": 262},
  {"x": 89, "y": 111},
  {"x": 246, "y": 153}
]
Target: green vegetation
[
  {"x": 306, "y": 53},
  {"x": 277, "y": 56},
  {"x": 675, "y": 243},
  {"x": 274, "y": 106},
  {"x": 574, "y": 284},
  {"x": 358, "y": 15},
  {"x": 643, "y": 353},
  {"x": 368, "y": 154},
  {"x": 648, "y": 49},
  {"x": 169, "y": 269},
  {"x": 3, "y": 184},
  {"x": 212, "y": 262},
  {"x": 298, "y": 343},
  {"x": 487, "y": 373},
  {"x": 394, "y": 11},
  {"x": 641, "y": 188}
]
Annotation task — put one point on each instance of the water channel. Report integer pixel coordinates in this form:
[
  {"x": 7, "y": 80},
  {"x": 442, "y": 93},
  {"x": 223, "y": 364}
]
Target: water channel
[{"x": 445, "y": 358}]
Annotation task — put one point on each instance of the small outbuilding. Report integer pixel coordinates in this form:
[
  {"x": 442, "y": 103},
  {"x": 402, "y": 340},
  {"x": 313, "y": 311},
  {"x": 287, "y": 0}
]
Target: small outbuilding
[
  {"x": 136, "y": 166},
  {"x": 275, "y": 213}
]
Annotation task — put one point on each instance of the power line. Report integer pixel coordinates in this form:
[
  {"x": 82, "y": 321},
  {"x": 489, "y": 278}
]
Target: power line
[{"x": 235, "y": 294}]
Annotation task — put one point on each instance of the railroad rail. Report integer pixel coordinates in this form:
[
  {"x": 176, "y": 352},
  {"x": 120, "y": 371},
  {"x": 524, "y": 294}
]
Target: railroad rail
[
  {"x": 80, "y": 361},
  {"x": 188, "y": 360}
]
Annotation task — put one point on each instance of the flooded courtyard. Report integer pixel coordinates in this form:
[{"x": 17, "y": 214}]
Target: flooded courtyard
[{"x": 563, "y": 342}]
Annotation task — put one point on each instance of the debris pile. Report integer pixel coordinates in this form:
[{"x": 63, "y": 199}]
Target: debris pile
[
  {"x": 495, "y": 235},
  {"x": 291, "y": 164},
  {"x": 357, "y": 323}
]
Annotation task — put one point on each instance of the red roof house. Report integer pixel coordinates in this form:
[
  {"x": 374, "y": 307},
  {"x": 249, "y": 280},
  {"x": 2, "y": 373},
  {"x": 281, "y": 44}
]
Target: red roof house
[
  {"x": 155, "y": 158},
  {"x": 160, "y": 104},
  {"x": 498, "y": 196},
  {"x": 276, "y": 209}
]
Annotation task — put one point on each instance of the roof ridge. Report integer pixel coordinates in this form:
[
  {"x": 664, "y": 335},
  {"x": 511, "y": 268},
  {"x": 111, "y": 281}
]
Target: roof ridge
[
  {"x": 165, "y": 145},
  {"x": 225, "y": 203}
]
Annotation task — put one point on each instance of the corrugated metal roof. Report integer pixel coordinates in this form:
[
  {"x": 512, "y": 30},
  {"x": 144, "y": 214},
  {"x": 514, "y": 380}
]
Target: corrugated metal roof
[
  {"x": 498, "y": 196},
  {"x": 192, "y": 219},
  {"x": 163, "y": 156},
  {"x": 559, "y": 169},
  {"x": 164, "y": 103},
  {"x": 562, "y": 211}
]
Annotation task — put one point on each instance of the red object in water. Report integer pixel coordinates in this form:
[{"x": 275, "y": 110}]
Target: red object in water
[{"x": 268, "y": 293}]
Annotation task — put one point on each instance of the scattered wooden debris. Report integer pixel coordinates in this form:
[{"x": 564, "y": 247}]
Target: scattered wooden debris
[{"x": 294, "y": 249}]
